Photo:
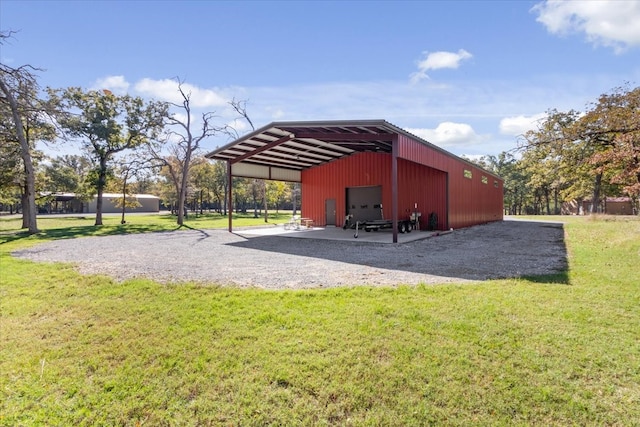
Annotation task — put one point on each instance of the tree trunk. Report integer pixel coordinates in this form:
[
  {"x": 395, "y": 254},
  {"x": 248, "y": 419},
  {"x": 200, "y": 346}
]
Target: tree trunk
[
  {"x": 547, "y": 200},
  {"x": 264, "y": 198},
  {"x": 24, "y": 201},
  {"x": 294, "y": 199},
  {"x": 29, "y": 209},
  {"x": 182, "y": 194},
  {"x": 124, "y": 198},
  {"x": 596, "y": 193},
  {"x": 102, "y": 182}
]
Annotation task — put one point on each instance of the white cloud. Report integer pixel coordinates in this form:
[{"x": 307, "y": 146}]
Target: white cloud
[
  {"x": 276, "y": 113},
  {"x": 167, "y": 90},
  {"x": 438, "y": 60},
  {"x": 605, "y": 23},
  {"x": 518, "y": 125},
  {"x": 240, "y": 125},
  {"x": 116, "y": 84},
  {"x": 448, "y": 133}
]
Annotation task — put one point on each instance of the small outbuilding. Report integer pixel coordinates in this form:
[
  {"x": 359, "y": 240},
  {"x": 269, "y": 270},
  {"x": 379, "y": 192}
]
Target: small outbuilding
[
  {"x": 70, "y": 203},
  {"x": 355, "y": 168},
  {"x": 143, "y": 203}
]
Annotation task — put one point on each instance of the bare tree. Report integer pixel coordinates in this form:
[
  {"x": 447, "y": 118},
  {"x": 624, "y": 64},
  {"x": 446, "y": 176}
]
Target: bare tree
[
  {"x": 183, "y": 143},
  {"x": 260, "y": 185}
]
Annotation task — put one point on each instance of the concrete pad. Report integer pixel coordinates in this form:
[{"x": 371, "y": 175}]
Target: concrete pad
[{"x": 337, "y": 233}]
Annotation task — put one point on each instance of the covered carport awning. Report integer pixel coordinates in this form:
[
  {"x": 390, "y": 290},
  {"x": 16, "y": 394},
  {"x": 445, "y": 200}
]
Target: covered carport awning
[{"x": 282, "y": 150}]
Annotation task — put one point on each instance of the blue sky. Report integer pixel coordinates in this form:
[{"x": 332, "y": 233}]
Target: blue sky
[{"x": 467, "y": 76}]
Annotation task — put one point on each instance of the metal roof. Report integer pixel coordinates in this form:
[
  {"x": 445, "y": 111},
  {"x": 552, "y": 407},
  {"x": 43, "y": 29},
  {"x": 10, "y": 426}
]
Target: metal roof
[{"x": 302, "y": 145}]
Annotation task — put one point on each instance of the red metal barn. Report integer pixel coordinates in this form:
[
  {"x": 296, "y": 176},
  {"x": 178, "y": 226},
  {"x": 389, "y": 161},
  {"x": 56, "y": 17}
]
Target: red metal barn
[{"x": 370, "y": 169}]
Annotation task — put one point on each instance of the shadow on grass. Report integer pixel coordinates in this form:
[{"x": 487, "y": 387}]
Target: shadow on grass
[
  {"x": 82, "y": 231},
  {"x": 561, "y": 278}
]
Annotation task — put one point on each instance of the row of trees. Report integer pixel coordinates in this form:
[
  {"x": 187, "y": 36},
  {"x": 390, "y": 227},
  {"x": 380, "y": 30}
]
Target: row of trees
[
  {"x": 155, "y": 146},
  {"x": 575, "y": 156},
  {"x": 122, "y": 137},
  {"x": 206, "y": 188}
]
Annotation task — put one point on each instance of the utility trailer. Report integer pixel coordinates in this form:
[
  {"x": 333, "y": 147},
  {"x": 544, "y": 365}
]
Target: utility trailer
[{"x": 404, "y": 225}]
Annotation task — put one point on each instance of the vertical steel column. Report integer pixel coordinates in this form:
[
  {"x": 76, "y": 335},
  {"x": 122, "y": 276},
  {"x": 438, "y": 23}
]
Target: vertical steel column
[
  {"x": 230, "y": 195},
  {"x": 394, "y": 186}
]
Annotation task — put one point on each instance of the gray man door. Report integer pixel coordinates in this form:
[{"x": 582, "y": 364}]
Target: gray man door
[{"x": 330, "y": 211}]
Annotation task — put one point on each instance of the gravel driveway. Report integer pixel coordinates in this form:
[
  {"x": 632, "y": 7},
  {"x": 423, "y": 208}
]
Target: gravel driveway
[{"x": 496, "y": 250}]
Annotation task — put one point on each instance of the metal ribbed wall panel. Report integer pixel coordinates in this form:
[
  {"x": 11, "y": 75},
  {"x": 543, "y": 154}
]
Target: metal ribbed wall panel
[
  {"x": 470, "y": 200},
  {"x": 427, "y": 176},
  {"x": 330, "y": 181},
  {"x": 280, "y": 174},
  {"x": 425, "y": 187},
  {"x": 416, "y": 184}
]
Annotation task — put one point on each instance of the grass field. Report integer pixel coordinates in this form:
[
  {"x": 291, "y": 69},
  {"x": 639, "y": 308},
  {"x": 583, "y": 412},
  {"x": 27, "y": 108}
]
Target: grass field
[{"x": 84, "y": 350}]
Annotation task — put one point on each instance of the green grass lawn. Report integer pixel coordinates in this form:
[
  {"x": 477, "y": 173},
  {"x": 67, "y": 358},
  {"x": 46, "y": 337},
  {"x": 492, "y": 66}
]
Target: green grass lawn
[{"x": 84, "y": 350}]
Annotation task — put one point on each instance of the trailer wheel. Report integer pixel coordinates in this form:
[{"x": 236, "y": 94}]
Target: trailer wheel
[
  {"x": 408, "y": 227},
  {"x": 401, "y": 227},
  {"x": 368, "y": 230}
]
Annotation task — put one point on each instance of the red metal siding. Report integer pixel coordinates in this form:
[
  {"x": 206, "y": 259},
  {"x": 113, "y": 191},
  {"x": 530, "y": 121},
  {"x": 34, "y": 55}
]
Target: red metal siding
[
  {"x": 424, "y": 186},
  {"x": 329, "y": 181},
  {"x": 426, "y": 176},
  {"x": 416, "y": 184},
  {"x": 471, "y": 201}
]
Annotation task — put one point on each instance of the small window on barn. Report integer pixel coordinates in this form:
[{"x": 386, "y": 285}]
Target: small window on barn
[
  {"x": 495, "y": 183},
  {"x": 485, "y": 180},
  {"x": 468, "y": 174}
]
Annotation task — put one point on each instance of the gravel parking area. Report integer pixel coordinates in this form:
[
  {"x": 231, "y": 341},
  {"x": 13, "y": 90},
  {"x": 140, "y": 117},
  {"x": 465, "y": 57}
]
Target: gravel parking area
[{"x": 496, "y": 250}]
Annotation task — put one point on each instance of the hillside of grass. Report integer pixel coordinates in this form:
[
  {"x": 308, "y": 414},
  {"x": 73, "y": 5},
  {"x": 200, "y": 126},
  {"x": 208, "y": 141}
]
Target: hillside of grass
[{"x": 84, "y": 350}]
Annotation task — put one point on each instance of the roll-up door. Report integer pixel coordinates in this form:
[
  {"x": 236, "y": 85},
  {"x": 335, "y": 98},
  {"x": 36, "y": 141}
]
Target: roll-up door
[{"x": 365, "y": 203}]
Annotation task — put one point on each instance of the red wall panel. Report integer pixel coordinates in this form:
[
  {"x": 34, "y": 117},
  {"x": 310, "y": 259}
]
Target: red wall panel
[
  {"x": 471, "y": 201},
  {"x": 330, "y": 181},
  {"x": 426, "y": 175}
]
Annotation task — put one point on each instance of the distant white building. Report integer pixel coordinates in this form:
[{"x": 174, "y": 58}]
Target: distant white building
[
  {"x": 68, "y": 203},
  {"x": 147, "y": 202}
]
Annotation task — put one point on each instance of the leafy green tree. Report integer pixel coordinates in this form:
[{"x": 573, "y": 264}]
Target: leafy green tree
[
  {"x": 11, "y": 171},
  {"x": 220, "y": 185},
  {"x": 516, "y": 192},
  {"x": 257, "y": 190},
  {"x": 583, "y": 155},
  {"x": 614, "y": 122},
  {"x": 557, "y": 158},
  {"x": 68, "y": 173},
  {"x": 277, "y": 193},
  {"x": 242, "y": 193},
  {"x": 129, "y": 167},
  {"x": 107, "y": 124},
  {"x": 294, "y": 191},
  {"x": 203, "y": 181}
]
